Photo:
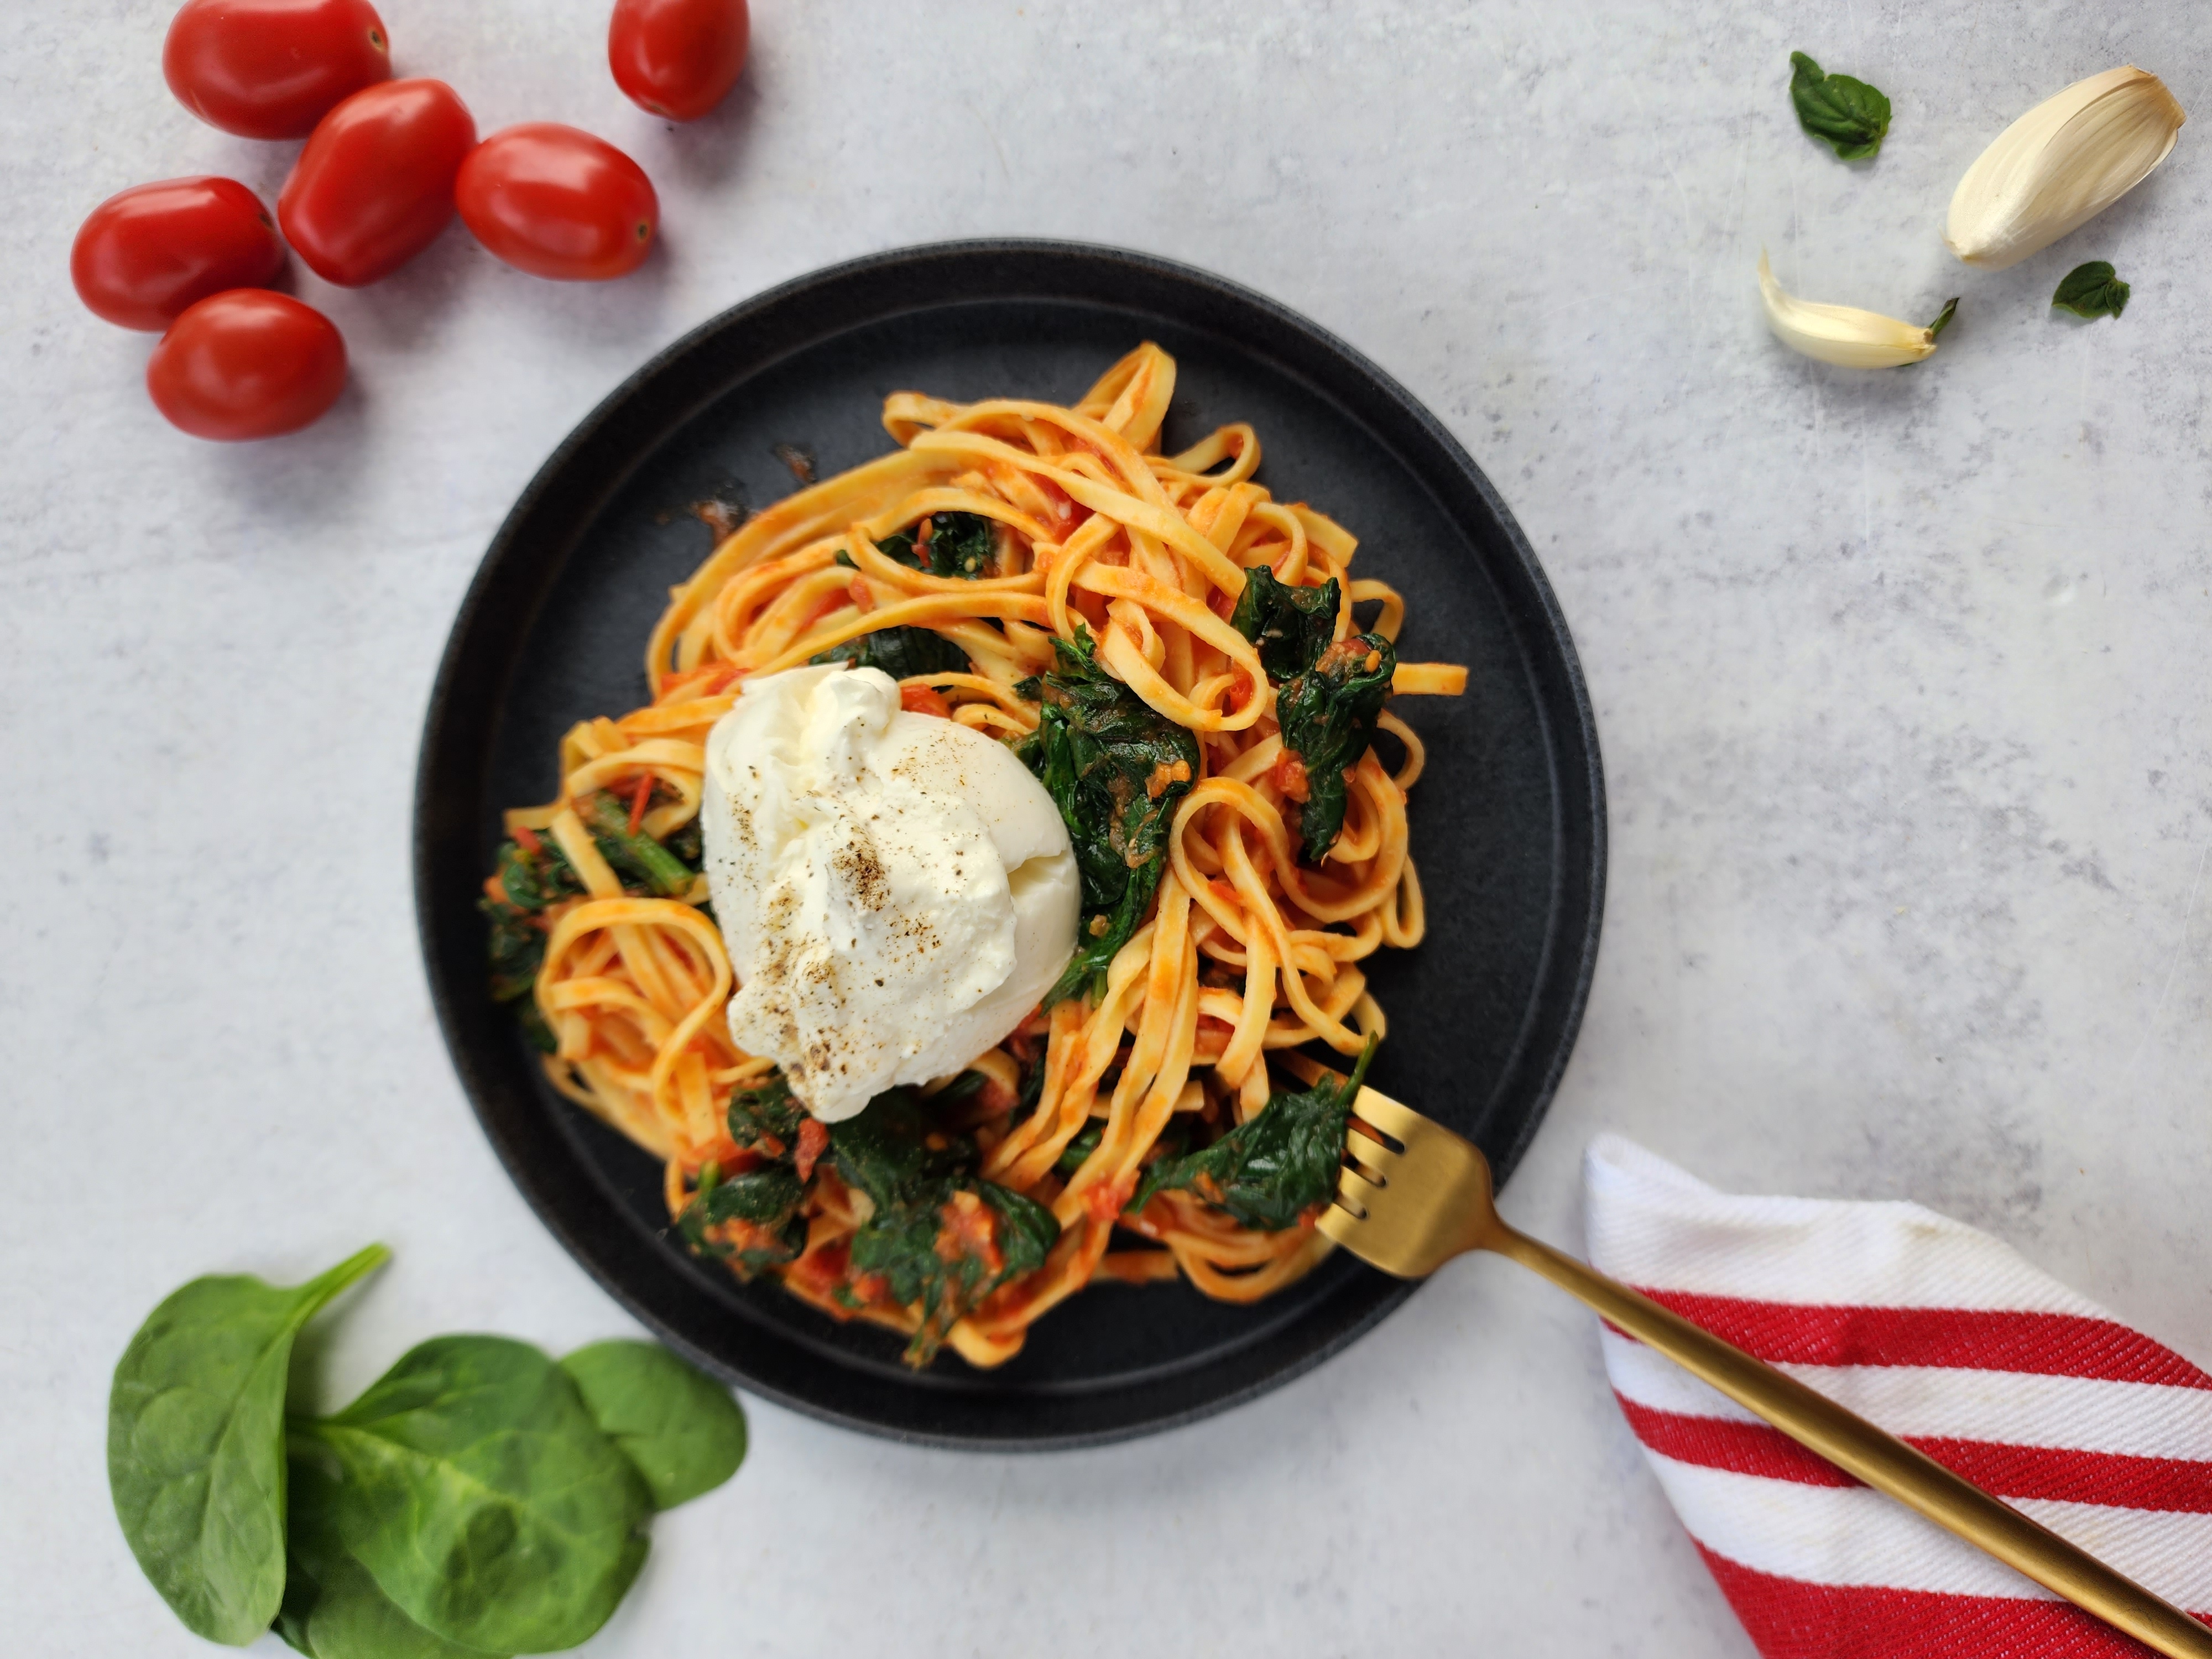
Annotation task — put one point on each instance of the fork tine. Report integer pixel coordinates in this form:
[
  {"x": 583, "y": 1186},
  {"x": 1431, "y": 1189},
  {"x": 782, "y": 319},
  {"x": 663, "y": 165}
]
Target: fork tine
[
  {"x": 1368, "y": 1156},
  {"x": 1407, "y": 1210},
  {"x": 1357, "y": 1191},
  {"x": 1400, "y": 1123}
]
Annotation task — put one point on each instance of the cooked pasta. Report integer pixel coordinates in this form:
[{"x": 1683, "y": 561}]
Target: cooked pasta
[{"x": 1019, "y": 549}]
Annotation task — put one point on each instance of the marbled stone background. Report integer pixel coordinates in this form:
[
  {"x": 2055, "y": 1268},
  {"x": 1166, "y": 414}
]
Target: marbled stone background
[{"x": 1900, "y": 681}]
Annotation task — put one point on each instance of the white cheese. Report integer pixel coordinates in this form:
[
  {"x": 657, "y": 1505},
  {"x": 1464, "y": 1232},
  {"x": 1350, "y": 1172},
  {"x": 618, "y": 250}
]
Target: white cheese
[{"x": 895, "y": 891}]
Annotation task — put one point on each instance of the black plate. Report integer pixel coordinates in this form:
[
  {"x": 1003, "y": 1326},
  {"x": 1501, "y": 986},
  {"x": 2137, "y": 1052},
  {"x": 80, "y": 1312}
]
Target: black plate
[{"x": 1508, "y": 826}]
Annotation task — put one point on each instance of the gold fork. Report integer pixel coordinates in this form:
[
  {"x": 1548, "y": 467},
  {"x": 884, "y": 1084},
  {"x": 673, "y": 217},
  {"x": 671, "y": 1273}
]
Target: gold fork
[{"x": 1413, "y": 1195}]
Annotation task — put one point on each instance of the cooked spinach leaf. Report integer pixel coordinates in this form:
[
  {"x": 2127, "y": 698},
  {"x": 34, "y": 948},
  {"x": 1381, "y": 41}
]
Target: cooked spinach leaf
[
  {"x": 1269, "y": 1172},
  {"x": 766, "y": 1197},
  {"x": 535, "y": 878},
  {"x": 2092, "y": 290},
  {"x": 758, "y": 1212},
  {"x": 476, "y": 1490},
  {"x": 939, "y": 1238},
  {"x": 901, "y": 652},
  {"x": 517, "y": 950},
  {"x": 1291, "y": 626},
  {"x": 1030, "y": 1232},
  {"x": 766, "y": 1112},
  {"x": 1327, "y": 715},
  {"x": 683, "y": 1430},
  {"x": 1848, "y": 116},
  {"x": 964, "y": 544},
  {"x": 688, "y": 841},
  {"x": 332, "y": 1607},
  {"x": 946, "y": 1245},
  {"x": 606, "y": 815},
  {"x": 196, "y": 1443},
  {"x": 1032, "y": 1088},
  {"x": 1117, "y": 770},
  {"x": 1077, "y": 1152},
  {"x": 894, "y": 1153},
  {"x": 530, "y": 879}
]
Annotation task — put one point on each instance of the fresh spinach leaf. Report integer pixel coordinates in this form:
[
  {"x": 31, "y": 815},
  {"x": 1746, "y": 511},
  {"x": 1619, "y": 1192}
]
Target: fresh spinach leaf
[
  {"x": 683, "y": 1430},
  {"x": 1117, "y": 770},
  {"x": 901, "y": 652},
  {"x": 964, "y": 544},
  {"x": 196, "y": 1443},
  {"x": 1327, "y": 715},
  {"x": 332, "y": 1607},
  {"x": 1848, "y": 116},
  {"x": 1269, "y": 1172},
  {"x": 2092, "y": 290},
  {"x": 476, "y": 1490},
  {"x": 1291, "y": 626}
]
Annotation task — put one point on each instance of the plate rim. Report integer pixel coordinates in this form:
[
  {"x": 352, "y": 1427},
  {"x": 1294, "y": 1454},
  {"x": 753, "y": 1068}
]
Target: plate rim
[{"x": 548, "y": 1206}]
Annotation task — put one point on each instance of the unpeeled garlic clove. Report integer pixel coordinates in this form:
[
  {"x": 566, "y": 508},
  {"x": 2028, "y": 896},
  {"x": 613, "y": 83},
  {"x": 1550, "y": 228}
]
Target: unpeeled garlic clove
[
  {"x": 1844, "y": 334},
  {"x": 2060, "y": 165}
]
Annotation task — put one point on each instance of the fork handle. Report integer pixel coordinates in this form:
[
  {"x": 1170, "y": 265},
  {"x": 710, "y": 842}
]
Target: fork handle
[{"x": 1880, "y": 1460}]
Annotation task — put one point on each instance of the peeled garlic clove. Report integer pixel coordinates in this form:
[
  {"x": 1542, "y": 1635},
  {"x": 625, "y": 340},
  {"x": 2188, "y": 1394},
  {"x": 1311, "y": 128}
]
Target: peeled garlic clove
[
  {"x": 1843, "y": 334},
  {"x": 2060, "y": 165}
]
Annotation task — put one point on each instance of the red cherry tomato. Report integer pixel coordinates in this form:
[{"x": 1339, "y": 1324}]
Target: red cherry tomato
[
  {"x": 271, "y": 69},
  {"x": 247, "y": 364},
  {"x": 145, "y": 255},
  {"x": 558, "y": 203},
  {"x": 375, "y": 186},
  {"x": 678, "y": 58}
]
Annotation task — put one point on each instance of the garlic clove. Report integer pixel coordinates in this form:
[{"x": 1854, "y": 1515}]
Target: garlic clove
[
  {"x": 1843, "y": 334},
  {"x": 2060, "y": 165}
]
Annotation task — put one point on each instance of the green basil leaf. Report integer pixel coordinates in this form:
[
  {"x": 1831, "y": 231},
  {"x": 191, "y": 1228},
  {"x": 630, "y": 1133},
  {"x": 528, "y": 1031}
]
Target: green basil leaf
[
  {"x": 196, "y": 1445},
  {"x": 1848, "y": 116},
  {"x": 478, "y": 1490},
  {"x": 2092, "y": 290},
  {"x": 683, "y": 1430},
  {"x": 333, "y": 1606}
]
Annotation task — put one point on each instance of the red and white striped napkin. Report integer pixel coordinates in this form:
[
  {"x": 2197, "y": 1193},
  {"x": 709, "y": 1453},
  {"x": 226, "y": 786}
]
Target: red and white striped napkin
[{"x": 1942, "y": 1335}]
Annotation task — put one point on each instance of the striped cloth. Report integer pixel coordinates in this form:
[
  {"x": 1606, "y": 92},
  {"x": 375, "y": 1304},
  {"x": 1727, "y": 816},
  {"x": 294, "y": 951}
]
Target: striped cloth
[{"x": 1942, "y": 1335}]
